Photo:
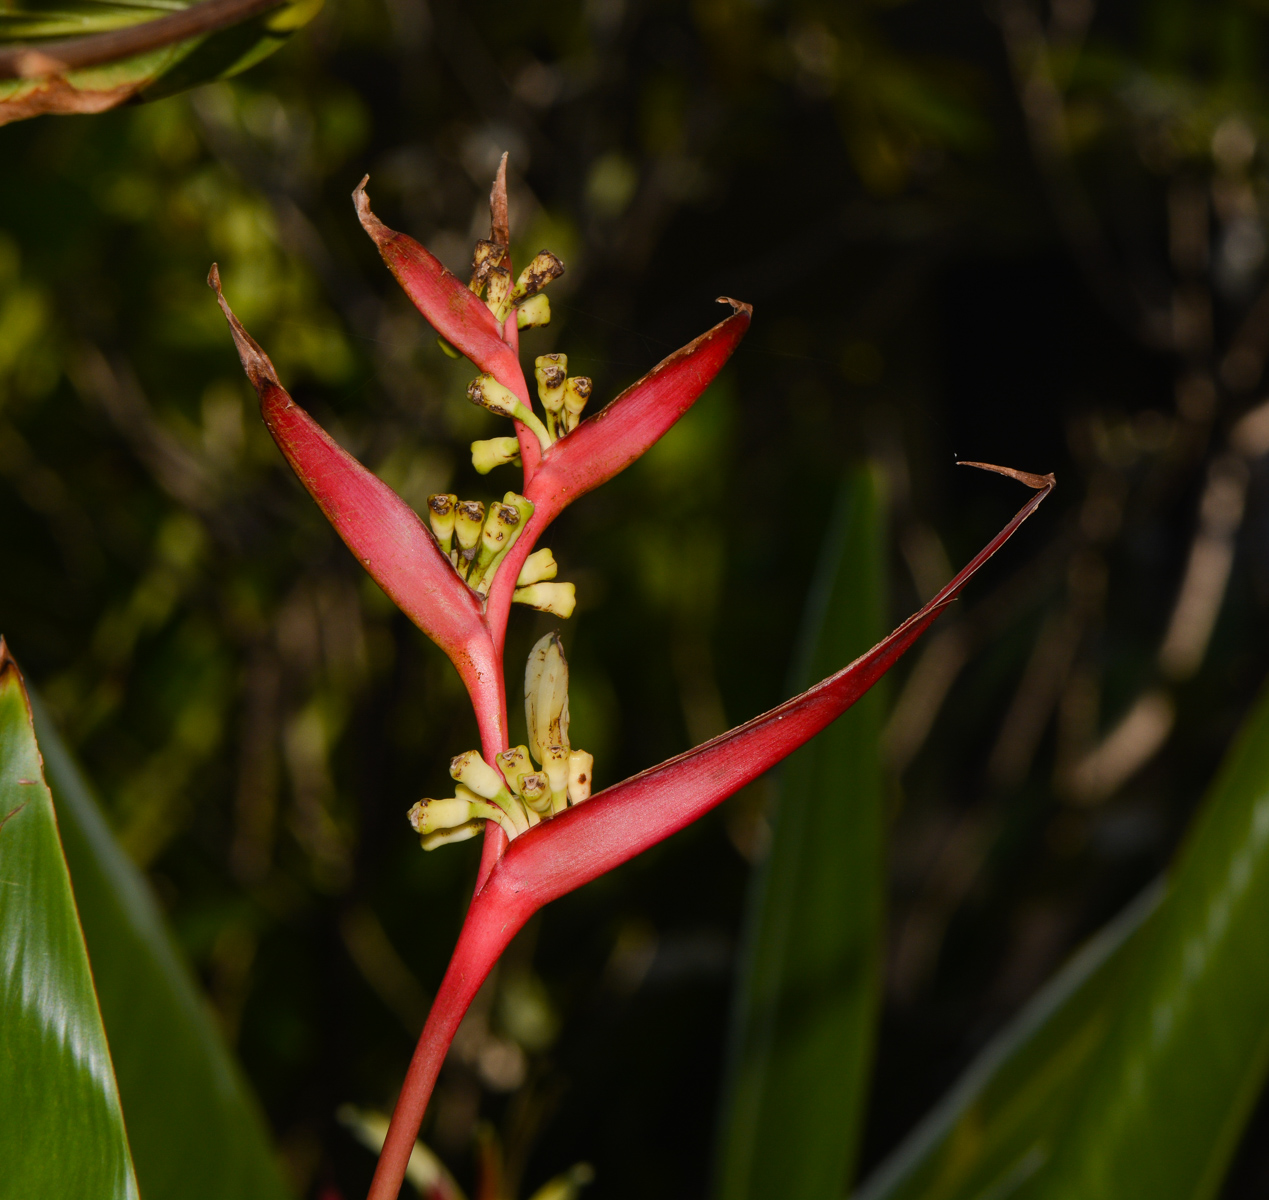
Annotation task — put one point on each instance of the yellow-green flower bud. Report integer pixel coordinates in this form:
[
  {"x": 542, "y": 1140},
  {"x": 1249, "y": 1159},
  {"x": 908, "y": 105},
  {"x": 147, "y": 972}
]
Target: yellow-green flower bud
[
  {"x": 487, "y": 256},
  {"x": 440, "y": 514},
  {"x": 498, "y": 298},
  {"x": 534, "y": 312},
  {"x": 546, "y": 696},
  {"x": 445, "y": 837},
  {"x": 504, "y": 808},
  {"x": 536, "y": 792},
  {"x": 557, "y": 598},
  {"x": 505, "y": 524},
  {"x": 539, "y": 566},
  {"x": 447, "y": 349},
  {"x": 544, "y": 267},
  {"x": 473, "y": 772},
  {"x": 555, "y": 767},
  {"x": 469, "y": 520},
  {"x": 502, "y": 526},
  {"x": 581, "y": 770},
  {"x": 427, "y": 816},
  {"x": 576, "y": 392},
  {"x": 487, "y": 392},
  {"x": 551, "y": 372},
  {"x": 514, "y": 764},
  {"x": 494, "y": 452}
]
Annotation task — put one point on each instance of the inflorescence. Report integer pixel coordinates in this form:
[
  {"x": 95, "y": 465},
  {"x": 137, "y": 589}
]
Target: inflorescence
[
  {"x": 512, "y": 792},
  {"x": 475, "y": 540}
]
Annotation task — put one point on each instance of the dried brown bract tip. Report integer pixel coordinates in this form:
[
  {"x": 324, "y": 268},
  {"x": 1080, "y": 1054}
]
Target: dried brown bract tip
[
  {"x": 499, "y": 226},
  {"x": 369, "y": 222},
  {"x": 1037, "y": 482},
  {"x": 254, "y": 360}
]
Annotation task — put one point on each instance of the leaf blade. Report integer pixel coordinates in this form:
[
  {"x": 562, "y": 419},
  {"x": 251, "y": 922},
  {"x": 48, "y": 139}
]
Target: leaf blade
[
  {"x": 999, "y": 1121},
  {"x": 83, "y": 56},
  {"x": 806, "y": 999},
  {"x": 195, "y": 1128},
  {"x": 63, "y": 1131},
  {"x": 1190, "y": 1047}
]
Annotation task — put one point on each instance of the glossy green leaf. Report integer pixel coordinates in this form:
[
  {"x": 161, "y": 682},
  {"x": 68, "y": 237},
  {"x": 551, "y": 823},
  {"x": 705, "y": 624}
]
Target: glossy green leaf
[
  {"x": 1132, "y": 1074},
  {"x": 61, "y": 1128},
  {"x": 196, "y": 1130},
  {"x": 170, "y": 65},
  {"x": 807, "y": 995},
  {"x": 1187, "y": 1055},
  {"x": 997, "y": 1127}
]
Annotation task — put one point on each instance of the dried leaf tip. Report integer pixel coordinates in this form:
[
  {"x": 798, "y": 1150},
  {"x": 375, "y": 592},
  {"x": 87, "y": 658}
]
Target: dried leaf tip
[
  {"x": 255, "y": 361},
  {"x": 737, "y": 306},
  {"x": 1038, "y": 482},
  {"x": 369, "y": 222},
  {"x": 499, "y": 224}
]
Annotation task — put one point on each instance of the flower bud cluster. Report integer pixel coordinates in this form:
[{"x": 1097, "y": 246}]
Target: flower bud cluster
[
  {"x": 515, "y": 792},
  {"x": 475, "y": 540},
  {"x": 563, "y": 396},
  {"x": 493, "y": 280}
]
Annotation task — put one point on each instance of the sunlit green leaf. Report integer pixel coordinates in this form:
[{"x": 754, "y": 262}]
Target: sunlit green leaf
[
  {"x": 996, "y": 1128},
  {"x": 195, "y": 1129},
  {"x": 806, "y": 1005},
  {"x": 61, "y": 1129},
  {"x": 1186, "y": 1057}
]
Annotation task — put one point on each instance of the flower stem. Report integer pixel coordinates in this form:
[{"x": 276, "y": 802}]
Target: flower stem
[{"x": 486, "y": 932}]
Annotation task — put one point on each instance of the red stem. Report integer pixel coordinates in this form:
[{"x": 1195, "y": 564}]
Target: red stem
[{"x": 479, "y": 945}]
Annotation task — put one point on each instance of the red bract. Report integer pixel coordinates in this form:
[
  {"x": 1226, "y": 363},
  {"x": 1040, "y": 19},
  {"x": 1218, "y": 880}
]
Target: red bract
[
  {"x": 607, "y": 443},
  {"x": 451, "y": 308},
  {"x": 567, "y": 850}
]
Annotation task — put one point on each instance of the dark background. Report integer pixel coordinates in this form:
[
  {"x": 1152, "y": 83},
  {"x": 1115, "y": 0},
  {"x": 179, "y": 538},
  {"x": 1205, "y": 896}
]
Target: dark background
[{"x": 1013, "y": 234}]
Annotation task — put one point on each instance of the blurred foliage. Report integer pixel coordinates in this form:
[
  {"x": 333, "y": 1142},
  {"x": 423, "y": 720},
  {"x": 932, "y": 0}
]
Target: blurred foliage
[
  {"x": 809, "y": 974},
  {"x": 157, "y": 59},
  {"x": 1034, "y": 236}
]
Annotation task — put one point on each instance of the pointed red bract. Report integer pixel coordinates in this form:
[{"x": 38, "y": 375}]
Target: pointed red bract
[
  {"x": 450, "y": 306},
  {"x": 605, "y": 444},
  {"x": 613, "y": 826},
  {"x": 382, "y": 531}
]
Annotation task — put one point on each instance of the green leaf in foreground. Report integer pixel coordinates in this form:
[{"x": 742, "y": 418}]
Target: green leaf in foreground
[
  {"x": 61, "y": 1129},
  {"x": 86, "y": 56},
  {"x": 996, "y": 1129},
  {"x": 807, "y": 996},
  {"x": 196, "y": 1130},
  {"x": 1187, "y": 1055}
]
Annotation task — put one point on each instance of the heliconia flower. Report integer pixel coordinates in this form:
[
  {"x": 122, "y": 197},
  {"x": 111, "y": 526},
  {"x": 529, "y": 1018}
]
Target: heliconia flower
[
  {"x": 457, "y": 575},
  {"x": 588, "y": 839}
]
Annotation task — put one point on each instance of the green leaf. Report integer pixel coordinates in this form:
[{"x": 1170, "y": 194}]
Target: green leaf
[
  {"x": 1187, "y": 1055},
  {"x": 807, "y": 996},
  {"x": 196, "y": 1130},
  {"x": 61, "y": 1129},
  {"x": 1133, "y": 1073},
  {"x": 997, "y": 1127},
  {"x": 222, "y": 46}
]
